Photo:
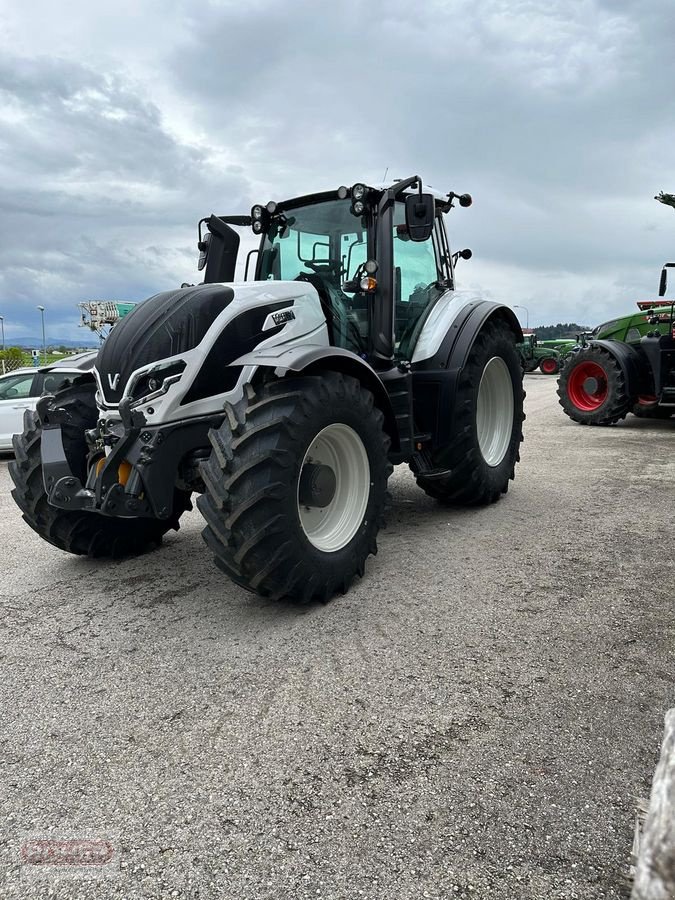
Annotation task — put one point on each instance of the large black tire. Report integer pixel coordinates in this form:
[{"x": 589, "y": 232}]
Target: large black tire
[
  {"x": 592, "y": 388},
  {"x": 251, "y": 504},
  {"x": 470, "y": 479},
  {"x": 80, "y": 532}
]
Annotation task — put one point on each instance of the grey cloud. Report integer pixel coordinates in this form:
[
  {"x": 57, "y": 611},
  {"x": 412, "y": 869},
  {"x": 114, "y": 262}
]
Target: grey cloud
[
  {"x": 543, "y": 110},
  {"x": 98, "y": 198},
  {"x": 556, "y": 114}
]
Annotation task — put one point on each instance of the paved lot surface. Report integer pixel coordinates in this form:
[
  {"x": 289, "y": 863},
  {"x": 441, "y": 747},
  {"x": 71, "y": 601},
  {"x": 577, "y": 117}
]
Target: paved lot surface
[{"x": 475, "y": 719}]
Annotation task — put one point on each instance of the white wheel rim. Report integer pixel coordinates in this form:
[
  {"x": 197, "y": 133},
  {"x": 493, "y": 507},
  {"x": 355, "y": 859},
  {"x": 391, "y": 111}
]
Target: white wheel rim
[
  {"x": 494, "y": 411},
  {"x": 332, "y": 527}
]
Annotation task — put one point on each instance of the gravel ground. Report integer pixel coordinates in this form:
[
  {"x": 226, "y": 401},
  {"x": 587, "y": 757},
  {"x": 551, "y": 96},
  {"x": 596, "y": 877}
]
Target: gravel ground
[{"x": 474, "y": 719}]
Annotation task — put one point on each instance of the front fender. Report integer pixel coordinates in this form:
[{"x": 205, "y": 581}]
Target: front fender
[{"x": 311, "y": 359}]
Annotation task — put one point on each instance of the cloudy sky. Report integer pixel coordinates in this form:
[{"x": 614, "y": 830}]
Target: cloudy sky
[{"x": 121, "y": 124}]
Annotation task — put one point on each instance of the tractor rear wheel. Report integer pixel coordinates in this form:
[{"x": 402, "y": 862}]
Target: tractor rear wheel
[
  {"x": 296, "y": 486},
  {"x": 549, "y": 366},
  {"x": 480, "y": 459},
  {"x": 78, "y": 531},
  {"x": 592, "y": 388}
]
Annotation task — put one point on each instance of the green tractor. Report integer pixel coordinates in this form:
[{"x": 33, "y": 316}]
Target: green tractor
[
  {"x": 564, "y": 346},
  {"x": 617, "y": 369},
  {"x": 534, "y": 355},
  {"x": 625, "y": 365}
]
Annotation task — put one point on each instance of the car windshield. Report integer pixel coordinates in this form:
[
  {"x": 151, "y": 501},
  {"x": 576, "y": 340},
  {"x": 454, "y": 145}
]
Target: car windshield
[{"x": 319, "y": 238}]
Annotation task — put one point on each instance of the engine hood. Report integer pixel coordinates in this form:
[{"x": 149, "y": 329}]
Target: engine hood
[{"x": 168, "y": 323}]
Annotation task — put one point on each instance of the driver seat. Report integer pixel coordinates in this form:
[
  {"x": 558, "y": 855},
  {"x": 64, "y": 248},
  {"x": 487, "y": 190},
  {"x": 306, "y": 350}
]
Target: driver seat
[{"x": 342, "y": 331}]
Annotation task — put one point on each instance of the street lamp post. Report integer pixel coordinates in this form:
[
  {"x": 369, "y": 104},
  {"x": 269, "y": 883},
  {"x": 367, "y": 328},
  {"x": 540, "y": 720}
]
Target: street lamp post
[
  {"x": 527, "y": 314},
  {"x": 44, "y": 341}
]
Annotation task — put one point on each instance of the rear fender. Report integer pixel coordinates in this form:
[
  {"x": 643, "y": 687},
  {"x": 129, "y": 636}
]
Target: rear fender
[
  {"x": 635, "y": 371},
  {"x": 435, "y": 379}
]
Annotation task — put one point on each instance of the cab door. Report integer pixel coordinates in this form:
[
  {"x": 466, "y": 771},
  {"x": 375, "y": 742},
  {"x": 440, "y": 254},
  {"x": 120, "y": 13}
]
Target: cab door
[{"x": 418, "y": 284}]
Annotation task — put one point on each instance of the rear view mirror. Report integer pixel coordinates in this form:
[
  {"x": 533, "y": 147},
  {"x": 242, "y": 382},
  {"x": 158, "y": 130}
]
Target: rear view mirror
[
  {"x": 203, "y": 247},
  {"x": 663, "y": 283},
  {"x": 419, "y": 216}
]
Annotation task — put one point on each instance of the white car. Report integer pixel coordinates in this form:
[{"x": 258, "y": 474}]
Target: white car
[{"x": 21, "y": 389}]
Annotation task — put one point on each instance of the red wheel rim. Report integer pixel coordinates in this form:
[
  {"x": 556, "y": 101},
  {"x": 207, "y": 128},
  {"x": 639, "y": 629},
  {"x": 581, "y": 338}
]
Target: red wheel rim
[
  {"x": 548, "y": 366},
  {"x": 583, "y": 395}
]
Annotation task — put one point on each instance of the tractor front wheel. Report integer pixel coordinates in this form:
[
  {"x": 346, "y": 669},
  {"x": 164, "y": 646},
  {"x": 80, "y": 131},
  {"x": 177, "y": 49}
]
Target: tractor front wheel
[
  {"x": 79, "y": 531},
  {"x": 549, "y": 366},
  {"x": 295, "y": 487},
  {"x": 479, "y": 461},
  {"x": 592, "y": 388}
]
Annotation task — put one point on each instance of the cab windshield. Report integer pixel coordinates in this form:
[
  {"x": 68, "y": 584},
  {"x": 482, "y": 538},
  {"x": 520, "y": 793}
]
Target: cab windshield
[
  {"x": 324, "y": 244},
  {"x": 323, "y": 238}
]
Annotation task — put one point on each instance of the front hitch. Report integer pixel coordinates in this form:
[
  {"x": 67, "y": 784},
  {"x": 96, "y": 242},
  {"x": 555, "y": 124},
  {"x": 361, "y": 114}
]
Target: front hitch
[
  {"x": 144, "y": 466},
  {"x": 103, "y": 493}
]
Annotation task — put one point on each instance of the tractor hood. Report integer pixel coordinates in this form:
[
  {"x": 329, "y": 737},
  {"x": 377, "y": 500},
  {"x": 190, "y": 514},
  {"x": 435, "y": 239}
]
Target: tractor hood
[
  {"x": 168, "y": 323},
  {"x": 194, "y": 335}
]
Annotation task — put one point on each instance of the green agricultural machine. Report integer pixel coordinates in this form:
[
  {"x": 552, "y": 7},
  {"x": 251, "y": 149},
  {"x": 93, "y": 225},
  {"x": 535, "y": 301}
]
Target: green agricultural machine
[
  {"x": 626, "y": 365},
  {"x": 534, "y": 355},
  {"x": 564, "y": 346}
]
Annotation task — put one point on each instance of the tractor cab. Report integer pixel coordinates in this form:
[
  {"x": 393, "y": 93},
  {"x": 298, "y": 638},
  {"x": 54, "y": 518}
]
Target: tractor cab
[{"x": 378, "y": 257}]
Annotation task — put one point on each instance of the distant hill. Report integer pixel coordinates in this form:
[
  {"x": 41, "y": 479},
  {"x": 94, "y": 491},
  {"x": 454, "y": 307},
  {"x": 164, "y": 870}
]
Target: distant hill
[
  {"x": 561, "y": 330},
  {"x": 30, "y": 343}
]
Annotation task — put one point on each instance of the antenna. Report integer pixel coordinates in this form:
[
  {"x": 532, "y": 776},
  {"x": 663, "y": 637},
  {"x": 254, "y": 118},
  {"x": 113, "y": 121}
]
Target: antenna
[{"x": 384, "y": 177}]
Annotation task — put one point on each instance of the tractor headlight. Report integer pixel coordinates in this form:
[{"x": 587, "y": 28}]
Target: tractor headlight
[
  {"x": 271, "y": 207},
  {"x": 156, "y": 382},
  {"x": 257, "y": 226},
  {"x": 358, "y": 191},
  {"x": 256, "y": 212}
]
